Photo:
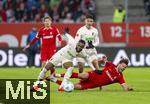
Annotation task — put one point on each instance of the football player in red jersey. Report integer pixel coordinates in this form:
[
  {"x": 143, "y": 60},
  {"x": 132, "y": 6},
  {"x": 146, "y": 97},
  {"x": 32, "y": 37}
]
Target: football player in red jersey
[
  {"x": 110, "y": 74},
  {"x": 48, "y": 33}
]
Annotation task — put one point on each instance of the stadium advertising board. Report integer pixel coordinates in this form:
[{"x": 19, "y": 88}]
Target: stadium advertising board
[
  {"x": 138, "y": 33},
  {"x": 12, "y": 36},
  {"x": 137, "y": 56}
]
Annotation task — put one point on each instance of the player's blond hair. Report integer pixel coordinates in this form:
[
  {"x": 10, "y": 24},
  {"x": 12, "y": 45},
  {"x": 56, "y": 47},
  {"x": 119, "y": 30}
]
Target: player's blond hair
[{"x": 47, "y": 17}]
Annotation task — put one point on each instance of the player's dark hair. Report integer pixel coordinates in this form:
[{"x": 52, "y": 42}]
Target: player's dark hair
[
  {"x": 82, "y": 41},
  {"x": 124, "y": 60},
  {"x": 89, "y": 16}
]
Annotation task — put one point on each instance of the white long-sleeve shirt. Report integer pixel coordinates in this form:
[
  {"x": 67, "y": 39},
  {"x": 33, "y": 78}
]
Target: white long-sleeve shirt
[
  {"x": 88, "y": 35},
  {"x": 69, "y": 51}
]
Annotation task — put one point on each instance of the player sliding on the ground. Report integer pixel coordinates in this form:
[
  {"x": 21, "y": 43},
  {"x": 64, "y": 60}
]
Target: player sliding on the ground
[
  {"x": 110, "y": 74},
  {"x": 65, "y": 56}
]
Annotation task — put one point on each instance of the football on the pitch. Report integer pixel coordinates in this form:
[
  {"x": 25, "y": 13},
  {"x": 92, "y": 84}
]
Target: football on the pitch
[{"x": 68, "y": 86}]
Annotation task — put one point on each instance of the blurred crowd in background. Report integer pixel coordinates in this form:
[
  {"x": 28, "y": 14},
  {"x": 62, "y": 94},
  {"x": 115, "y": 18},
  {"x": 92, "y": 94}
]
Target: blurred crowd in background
[{"x": 66, "y": 11}]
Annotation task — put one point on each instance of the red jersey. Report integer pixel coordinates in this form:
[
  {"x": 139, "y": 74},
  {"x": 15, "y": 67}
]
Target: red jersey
[
  {"x": 48, "y": 36},
  {"x": 109, "y": 75}
]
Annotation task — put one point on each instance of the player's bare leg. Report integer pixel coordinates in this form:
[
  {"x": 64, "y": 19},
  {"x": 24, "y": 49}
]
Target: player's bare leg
[
  {"x": 47, "y": 67},
  {"x": 69, "y": 67},
  {"x": 42, "y": 74},
  {"x": 95, "y": 64},
  {"x": 52, "y": 71},
  {"x": 80, "y": 67},
  {"x": 43, "y": 64}
]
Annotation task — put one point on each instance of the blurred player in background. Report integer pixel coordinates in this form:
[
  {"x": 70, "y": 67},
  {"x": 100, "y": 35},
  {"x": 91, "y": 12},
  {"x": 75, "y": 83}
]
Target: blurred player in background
[
  {"x": 89, "y": 34},
  {"x": 48, "y": 34},
  {"x": 110, "y": 74},
  {"x": 31, "y": 51}
]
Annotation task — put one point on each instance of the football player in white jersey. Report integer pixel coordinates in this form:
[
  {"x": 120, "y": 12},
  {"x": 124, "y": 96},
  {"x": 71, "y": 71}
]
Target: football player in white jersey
[
  {"x": 64, "y": 56},
  {"x": 89, "y": 34}
]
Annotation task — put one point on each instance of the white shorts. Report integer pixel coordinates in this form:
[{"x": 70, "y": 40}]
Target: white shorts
[
  {"x": 92, "y": 53},
  {"x": 58, "y": 58}
]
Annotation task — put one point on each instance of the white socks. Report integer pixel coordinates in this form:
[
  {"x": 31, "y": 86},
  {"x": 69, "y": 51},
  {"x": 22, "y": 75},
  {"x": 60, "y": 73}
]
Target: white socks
[
  {"x": 52, "y": 78},
  {"x": 67, "y": 76},
  {"x": 42, "y": 73}
]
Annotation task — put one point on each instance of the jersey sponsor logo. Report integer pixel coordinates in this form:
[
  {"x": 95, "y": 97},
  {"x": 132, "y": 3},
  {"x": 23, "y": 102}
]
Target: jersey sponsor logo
[
  {"x": 47, "y": 37},
  {"x": 88, "y": 38},
  {"x": 110, "y": 77}
]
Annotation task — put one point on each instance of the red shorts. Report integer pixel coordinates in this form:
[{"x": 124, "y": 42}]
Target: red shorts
[
  {"x": 91, "y": 82},
  {"x": 46, "y": 55}
]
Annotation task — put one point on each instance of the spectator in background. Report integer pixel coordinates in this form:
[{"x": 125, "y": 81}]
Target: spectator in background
[
  {"x": 63, "y": 12},
  {"x": 68, "y": 19},
  {"x": 88, "y": 7},
  {"x": 33, "y": 49},
  {"x": 53, "y": 3},
  {"x": 119, "y": 14},
  {"x": 147, "y": 6},
  {"x": 10, "y": 15},
  {"x": 37, "y": 18},
  {"x": 3, "y": 14},
  {"x": 55, "y": 14}
]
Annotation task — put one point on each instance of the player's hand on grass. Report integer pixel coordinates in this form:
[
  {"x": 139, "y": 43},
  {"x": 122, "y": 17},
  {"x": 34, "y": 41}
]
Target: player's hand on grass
[
  {"x": 90, "y": 45},
  {"x": 98, "y": 71},
  {"x": 100, "y": 88},
  {"x": 130, "y": 89}
]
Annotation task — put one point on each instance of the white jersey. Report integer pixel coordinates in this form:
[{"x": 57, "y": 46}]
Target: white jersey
[
  {"x": 68, "y": 52},
  {"x": 88, "y": 35}
]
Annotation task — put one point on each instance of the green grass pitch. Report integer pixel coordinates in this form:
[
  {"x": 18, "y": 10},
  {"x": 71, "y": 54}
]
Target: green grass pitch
[{"x": 138, "y": 78}]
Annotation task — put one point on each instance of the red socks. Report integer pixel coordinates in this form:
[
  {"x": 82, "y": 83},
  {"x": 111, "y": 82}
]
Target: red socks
[{"x": 59, "y": 82}]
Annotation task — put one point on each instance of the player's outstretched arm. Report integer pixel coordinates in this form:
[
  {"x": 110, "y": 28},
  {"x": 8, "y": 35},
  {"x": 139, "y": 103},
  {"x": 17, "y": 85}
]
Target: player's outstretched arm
[
  {"x": 32, "y": 42},
  {"x": 96, "y": 40},
  {"x": 126, "y": 87},
  {"x": 69, "y": 39}
]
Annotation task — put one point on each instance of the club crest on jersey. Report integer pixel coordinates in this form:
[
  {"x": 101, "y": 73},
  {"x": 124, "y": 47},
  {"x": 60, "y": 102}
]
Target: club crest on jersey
[{"x": 51, "y": 33}]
